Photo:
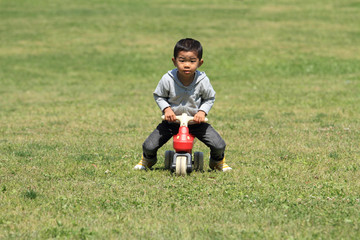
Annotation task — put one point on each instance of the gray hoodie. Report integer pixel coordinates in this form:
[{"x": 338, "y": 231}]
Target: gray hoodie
[{"x": 199, "y": 95}]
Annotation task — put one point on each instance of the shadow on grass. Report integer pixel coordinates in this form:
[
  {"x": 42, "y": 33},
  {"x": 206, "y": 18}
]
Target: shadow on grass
[{"x": 163, "y": 170}]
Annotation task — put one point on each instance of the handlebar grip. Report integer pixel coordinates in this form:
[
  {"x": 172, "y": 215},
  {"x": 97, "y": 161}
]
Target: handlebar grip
[{"x": 193, "y": 122}]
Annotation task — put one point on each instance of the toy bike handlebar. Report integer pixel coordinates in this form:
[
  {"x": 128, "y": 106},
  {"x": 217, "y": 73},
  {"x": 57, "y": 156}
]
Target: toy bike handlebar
[{"x": 184, "y": 119}]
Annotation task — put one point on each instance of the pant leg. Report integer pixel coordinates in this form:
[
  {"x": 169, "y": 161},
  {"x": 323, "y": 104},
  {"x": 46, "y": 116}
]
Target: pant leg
[
  {"x": 211, "y": 138},
  {"x": 163, "y": 132}
]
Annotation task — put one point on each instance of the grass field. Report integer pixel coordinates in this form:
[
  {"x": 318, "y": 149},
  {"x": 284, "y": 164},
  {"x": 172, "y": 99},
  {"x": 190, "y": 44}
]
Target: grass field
[{"x": 76, "y": 82}]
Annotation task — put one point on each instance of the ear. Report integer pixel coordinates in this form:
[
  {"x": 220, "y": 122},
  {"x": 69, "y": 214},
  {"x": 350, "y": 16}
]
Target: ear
[
  {"x": 174, "y": 61},
  {"x": 201, "y": 62}
]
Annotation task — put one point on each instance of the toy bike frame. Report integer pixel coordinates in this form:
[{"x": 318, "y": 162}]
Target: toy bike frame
[{"x": 181, "y": 161}]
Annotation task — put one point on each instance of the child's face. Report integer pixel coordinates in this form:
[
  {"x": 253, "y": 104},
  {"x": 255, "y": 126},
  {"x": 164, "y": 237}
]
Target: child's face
[{"x": 187, "y": 63}]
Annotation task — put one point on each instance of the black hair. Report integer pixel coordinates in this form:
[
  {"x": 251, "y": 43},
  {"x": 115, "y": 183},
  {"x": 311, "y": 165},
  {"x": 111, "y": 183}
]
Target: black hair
[{"x": 188, "y": 45}]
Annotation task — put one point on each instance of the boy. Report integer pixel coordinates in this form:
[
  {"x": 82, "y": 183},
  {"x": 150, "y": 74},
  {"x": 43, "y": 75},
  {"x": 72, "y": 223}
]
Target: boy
[{"x": 185, "y": 90}]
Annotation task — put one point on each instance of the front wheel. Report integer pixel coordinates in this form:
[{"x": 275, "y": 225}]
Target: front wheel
[
  {"x": 181, "y": 166},
  {"x": 199, "y": 161}
]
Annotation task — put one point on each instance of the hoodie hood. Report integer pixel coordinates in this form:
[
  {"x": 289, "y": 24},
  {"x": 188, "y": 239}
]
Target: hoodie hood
[{"x": 199, "y": 76}]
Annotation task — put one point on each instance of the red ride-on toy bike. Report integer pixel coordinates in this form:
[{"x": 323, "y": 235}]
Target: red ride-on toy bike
[{"x": 181, "y": 161}]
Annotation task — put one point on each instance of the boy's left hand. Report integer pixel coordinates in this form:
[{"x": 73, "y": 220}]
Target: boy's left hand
[{"x": 199, "y": 117}]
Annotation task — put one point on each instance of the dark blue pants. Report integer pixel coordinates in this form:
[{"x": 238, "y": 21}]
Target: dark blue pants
[{"x": 203, "y": 131}]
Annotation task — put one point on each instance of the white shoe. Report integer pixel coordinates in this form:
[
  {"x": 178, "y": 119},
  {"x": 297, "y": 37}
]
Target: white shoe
[
  {"x": 220, "y": 166},
  {"x": 144, "y": 164},
  {"x": 139, "y": 167}
]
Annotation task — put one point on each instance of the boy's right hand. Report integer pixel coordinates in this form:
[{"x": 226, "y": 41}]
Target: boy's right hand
[{"x": 169, "y": 115}]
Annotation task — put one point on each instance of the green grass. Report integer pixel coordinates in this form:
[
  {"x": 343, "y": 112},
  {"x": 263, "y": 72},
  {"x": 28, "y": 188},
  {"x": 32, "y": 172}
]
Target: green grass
[{"x": 76, "y": 82}]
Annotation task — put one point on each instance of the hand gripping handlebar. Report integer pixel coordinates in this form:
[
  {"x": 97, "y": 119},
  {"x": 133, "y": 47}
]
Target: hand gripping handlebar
[{"x": 184, "y": 119}]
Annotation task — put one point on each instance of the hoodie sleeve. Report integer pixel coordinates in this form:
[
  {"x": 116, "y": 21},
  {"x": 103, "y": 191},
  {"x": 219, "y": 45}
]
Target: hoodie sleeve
[
  {"x": 208, "y": 96},
  {"x": 161, "y": 94}
]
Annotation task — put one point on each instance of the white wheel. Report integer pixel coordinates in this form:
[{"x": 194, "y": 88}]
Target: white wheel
[
  {"x": 180, "y": 166},
  {"x": 183, "y": 166}
]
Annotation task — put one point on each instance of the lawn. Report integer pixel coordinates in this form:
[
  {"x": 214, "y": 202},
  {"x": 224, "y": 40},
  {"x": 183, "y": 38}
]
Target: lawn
[{"x": 76, "y": 83}]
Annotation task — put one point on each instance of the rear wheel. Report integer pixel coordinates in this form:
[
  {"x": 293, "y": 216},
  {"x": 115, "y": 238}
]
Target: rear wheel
[
  {"x": 181, "y": 166},
  {"x": 198, "y": 161},
  {"x": 169, "y": 155}
]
